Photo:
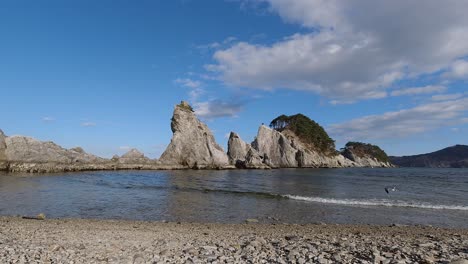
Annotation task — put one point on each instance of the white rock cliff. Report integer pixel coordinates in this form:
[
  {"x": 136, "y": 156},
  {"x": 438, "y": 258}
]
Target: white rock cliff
[{"x": 192, "y": 144}]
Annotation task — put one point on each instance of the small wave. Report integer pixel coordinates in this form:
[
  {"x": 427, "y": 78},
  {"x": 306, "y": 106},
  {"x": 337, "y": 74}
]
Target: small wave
[
  {"x": 388, "y": 203},
  {"x": 204, "y": 190}
]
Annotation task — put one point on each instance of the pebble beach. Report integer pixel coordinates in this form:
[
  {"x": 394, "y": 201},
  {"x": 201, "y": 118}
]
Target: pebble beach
[{"x": 119, "y": 241}]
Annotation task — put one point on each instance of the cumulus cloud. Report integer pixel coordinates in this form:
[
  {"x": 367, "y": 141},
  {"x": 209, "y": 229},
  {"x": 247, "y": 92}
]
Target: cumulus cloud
[
  {"x": 404, "y": 122},
  {"x": 355, "y": 49},
  {"x": 420, "y": 90},
  {"x": 217, "y": 108}
]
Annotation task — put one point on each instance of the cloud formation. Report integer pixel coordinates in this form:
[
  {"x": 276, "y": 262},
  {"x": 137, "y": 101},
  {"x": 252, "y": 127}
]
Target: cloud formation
[
  {"x": 420, "y": 90},
  {"x": 445, "y": 97},
  {"x": 355, "y": 49},
  {"x": 458, "y": 70},
  {"x": 404, "y": 122},
  {"x": 217, "y": 108},
  {"x": 186, "y": 82}
]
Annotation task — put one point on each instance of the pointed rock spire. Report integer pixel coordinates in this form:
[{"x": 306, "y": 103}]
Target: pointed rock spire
[{"x": 193, "y": 144}]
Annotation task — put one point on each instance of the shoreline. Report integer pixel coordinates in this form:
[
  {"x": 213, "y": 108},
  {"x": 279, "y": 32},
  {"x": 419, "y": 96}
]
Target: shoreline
[
  {"x": 128, "y": 241},
  {"x": 43, "y": 168}
]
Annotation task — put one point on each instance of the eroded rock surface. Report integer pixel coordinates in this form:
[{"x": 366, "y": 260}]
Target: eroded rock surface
[
  {"x": 366, "y": 155},
  {"x": 133, "y": 156},
  {"x": 26, "y": 149},
  {"x": 285, "y": 150},
  {"x": 193, "y": 144},
  {"x": 242, "y": 155}
]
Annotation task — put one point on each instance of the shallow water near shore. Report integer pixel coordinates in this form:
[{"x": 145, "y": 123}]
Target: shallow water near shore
[{"x": 436, "y": 197}]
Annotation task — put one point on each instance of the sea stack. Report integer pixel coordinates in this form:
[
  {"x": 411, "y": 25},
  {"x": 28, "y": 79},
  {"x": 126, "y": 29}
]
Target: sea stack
[
  {"x": 193, "y": 144},
  {"x": 242, "y": 155},
  {"x": 276, "y": 150}
]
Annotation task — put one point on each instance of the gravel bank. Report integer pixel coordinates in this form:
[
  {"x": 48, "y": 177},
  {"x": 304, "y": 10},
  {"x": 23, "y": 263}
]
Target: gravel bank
[{"x": 111, "y": 241}]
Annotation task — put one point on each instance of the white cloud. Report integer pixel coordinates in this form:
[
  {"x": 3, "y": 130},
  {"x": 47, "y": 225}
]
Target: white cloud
[
  {"x": 404, "y": 122},
  {"x": 360, "y": 49},
  {"x": 48, "y": 119},
  {"x": 88, "y": 124},
  {"x": 458, "y": 70},
  {"x": 445, "y": 97},
  {"x": 420, "y": 90},
  {"x": 216, "y": 45},
  {"x": 188, "y": 82},
  {"x": 217, "y": 108}
]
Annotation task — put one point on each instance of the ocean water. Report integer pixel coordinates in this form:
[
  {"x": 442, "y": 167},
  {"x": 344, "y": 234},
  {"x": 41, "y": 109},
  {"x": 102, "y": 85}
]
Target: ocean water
[{"x": 436, "y": 197}]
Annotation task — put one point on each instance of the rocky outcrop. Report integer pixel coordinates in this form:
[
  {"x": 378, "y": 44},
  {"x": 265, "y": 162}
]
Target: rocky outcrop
[
  {"x": 275, "y": 149},
  {"x": 366, "y": 155},
  {"x": 3, "y": 157},
  {"x": 242, "y": 155},
  {"x": 366, "y": 161},
  {"x": 285, "y": 150},
  {"x": 307, "y": 157},
  {"x": 192, "y": 144},
  {"x": 133, "y": 156},
  {"x": 295, "y": 142},
  {"x": 29, "y": 150}
]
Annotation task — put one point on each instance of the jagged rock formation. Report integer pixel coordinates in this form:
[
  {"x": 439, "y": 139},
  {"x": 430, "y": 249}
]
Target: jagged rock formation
[
  {"x": 133, "y": 156},
  {"x": 26, "y": 149},
  {"x": 451, "y": 157},
  {"x": 192, "y": 144},
  {"x": 275, "y": 149},
  {"x": 242, "y": 155},
  {"x": 3, "y": 157},
  {"x": 366, "y": 155},
  {"x": 286, "y": 150},
  {"x": 295, "y": 142},
  {"x": 25, "y": 154}
]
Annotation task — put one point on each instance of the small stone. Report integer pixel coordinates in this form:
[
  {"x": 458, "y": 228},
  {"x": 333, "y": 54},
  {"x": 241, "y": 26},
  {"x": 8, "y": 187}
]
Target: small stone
[
  {"x": 291, "y": 237},
  {"x": 251, "y": 220},
  {"x": 41, "y": 216},
  {"x": 459, "y": 261},
  {"x": 387, "y": 255}
]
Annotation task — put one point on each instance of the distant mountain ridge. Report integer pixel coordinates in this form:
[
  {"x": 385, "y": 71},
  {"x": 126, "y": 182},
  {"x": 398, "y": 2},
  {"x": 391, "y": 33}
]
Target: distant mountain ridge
[{"x": 451, "y": 157}]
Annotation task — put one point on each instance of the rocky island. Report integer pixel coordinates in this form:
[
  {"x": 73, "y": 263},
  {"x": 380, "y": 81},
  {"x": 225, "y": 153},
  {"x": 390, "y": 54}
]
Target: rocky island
[{"x": 289, "y": 142}]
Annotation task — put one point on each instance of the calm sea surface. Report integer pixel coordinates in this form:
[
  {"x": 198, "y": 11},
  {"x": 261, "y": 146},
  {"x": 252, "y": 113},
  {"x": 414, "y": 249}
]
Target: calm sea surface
[{"x": 422, "y": 196}]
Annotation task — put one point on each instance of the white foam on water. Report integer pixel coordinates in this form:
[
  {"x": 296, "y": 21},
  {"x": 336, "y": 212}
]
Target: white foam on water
[{"x": 388, "y": 203}]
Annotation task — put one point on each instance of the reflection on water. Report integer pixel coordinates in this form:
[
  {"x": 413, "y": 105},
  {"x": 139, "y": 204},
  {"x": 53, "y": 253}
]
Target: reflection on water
[{"x": 423, "y": 196}]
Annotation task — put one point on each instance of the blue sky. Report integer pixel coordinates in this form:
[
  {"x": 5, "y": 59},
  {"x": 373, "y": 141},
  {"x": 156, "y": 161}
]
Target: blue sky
[{"x": 105, "y": 75}]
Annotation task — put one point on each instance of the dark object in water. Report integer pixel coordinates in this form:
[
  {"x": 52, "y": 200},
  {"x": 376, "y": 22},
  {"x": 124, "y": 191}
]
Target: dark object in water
[{"x": 388, "y": 189}]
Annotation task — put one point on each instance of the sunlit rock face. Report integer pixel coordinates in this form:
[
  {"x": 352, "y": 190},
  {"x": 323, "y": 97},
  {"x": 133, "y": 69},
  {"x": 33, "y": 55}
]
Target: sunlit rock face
[
  {"x": 133, "y": 156},
  {"x": 26, "y": 149},
  {"x": 242, "y": 155},
  {"x": 193, "y": 144}
]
